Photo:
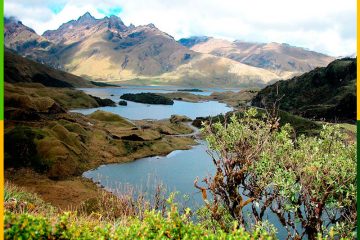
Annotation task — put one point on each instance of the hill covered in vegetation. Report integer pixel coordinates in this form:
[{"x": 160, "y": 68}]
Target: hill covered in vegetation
[{"x": 327, "y": 93}]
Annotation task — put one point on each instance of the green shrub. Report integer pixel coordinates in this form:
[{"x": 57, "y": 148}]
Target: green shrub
[{"x": 307, "y": 182}]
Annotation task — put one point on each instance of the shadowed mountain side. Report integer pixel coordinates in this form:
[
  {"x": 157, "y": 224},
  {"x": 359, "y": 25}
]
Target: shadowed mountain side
[
  {"x": 19, "y": 69},
  {"x": 324, "y": 93}
]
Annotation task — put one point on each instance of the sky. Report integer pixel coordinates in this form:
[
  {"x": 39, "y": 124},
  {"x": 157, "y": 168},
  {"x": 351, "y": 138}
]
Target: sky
[{"x": 327, "y": 26}]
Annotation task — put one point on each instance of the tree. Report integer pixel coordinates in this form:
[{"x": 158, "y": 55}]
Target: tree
[
  {"x": 313, "y": 182},
  {"x": 309, "y": 183}
]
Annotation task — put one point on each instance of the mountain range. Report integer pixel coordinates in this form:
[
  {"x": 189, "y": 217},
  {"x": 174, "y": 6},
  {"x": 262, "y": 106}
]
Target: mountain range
[{"x": 108, "y": 50}]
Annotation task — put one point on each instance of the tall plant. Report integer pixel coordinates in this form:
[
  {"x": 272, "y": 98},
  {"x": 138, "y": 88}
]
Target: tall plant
[{"x": 307, "y": 182}]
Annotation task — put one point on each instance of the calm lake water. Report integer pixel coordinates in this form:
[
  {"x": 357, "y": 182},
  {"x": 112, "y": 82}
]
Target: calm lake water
[
  {"x": 138, "y": 111},
  {"x": 177, "y": 171}
]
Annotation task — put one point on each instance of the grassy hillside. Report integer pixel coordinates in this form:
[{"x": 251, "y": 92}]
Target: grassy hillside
[
  {"x": 324, "y": 93},
  {"x": 36, "y": 98}
]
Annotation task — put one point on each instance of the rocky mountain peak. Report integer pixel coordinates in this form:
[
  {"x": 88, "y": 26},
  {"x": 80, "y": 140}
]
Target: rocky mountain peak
[
  {"x": 13, "y": 25},
  {"x": 86, "y": 17},
  {"x": 115, "y": 22},
  {"x": 151, "y": 25}
]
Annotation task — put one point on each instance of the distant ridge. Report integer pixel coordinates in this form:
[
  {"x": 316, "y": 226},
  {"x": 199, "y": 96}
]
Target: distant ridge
[{"x": 280, "y": 58}]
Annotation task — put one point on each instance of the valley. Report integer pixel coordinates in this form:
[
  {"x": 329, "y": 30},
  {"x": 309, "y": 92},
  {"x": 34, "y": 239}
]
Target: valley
[
  {"x": 107, "y": 120},
  {"x": 72, "y": 130}
]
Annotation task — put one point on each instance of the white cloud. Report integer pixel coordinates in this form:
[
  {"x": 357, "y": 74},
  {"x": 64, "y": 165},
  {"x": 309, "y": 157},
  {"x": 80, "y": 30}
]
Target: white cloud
[{"x": 327, "y": 26}]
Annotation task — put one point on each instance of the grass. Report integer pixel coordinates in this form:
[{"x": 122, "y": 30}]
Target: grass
[
  {"x": 300, "y": 124},
  {"x": 18, "y": 200},
  {"x": 108, "y": 217}
]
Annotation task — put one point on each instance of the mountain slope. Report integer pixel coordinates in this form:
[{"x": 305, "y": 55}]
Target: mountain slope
[
  {"x": 282, "y": 59},
  {"x": 323, "y": 93},
  {"x": 20, "y": 69},
  {"x": 107, "y": 50}
]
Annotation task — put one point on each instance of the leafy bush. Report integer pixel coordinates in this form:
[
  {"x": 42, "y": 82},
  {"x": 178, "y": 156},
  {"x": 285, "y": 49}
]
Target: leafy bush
[{"x": 307, "y": 182}]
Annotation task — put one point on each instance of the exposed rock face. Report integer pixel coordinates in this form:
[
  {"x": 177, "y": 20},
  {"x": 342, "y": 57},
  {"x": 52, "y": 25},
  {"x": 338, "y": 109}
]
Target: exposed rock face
[{"x": 20, "y": 37}]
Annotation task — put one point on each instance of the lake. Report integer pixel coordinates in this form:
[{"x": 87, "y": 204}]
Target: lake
[
  {"x": 177, "y": 171},
  {"x": 138, "y": 111}
]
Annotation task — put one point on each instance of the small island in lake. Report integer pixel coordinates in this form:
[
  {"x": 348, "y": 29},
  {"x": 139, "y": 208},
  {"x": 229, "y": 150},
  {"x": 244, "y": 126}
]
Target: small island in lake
[
  {"x": 149, "y": 98},
  {"x": 122, "y": 103},
  {"x": 190, "y": 90}
]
